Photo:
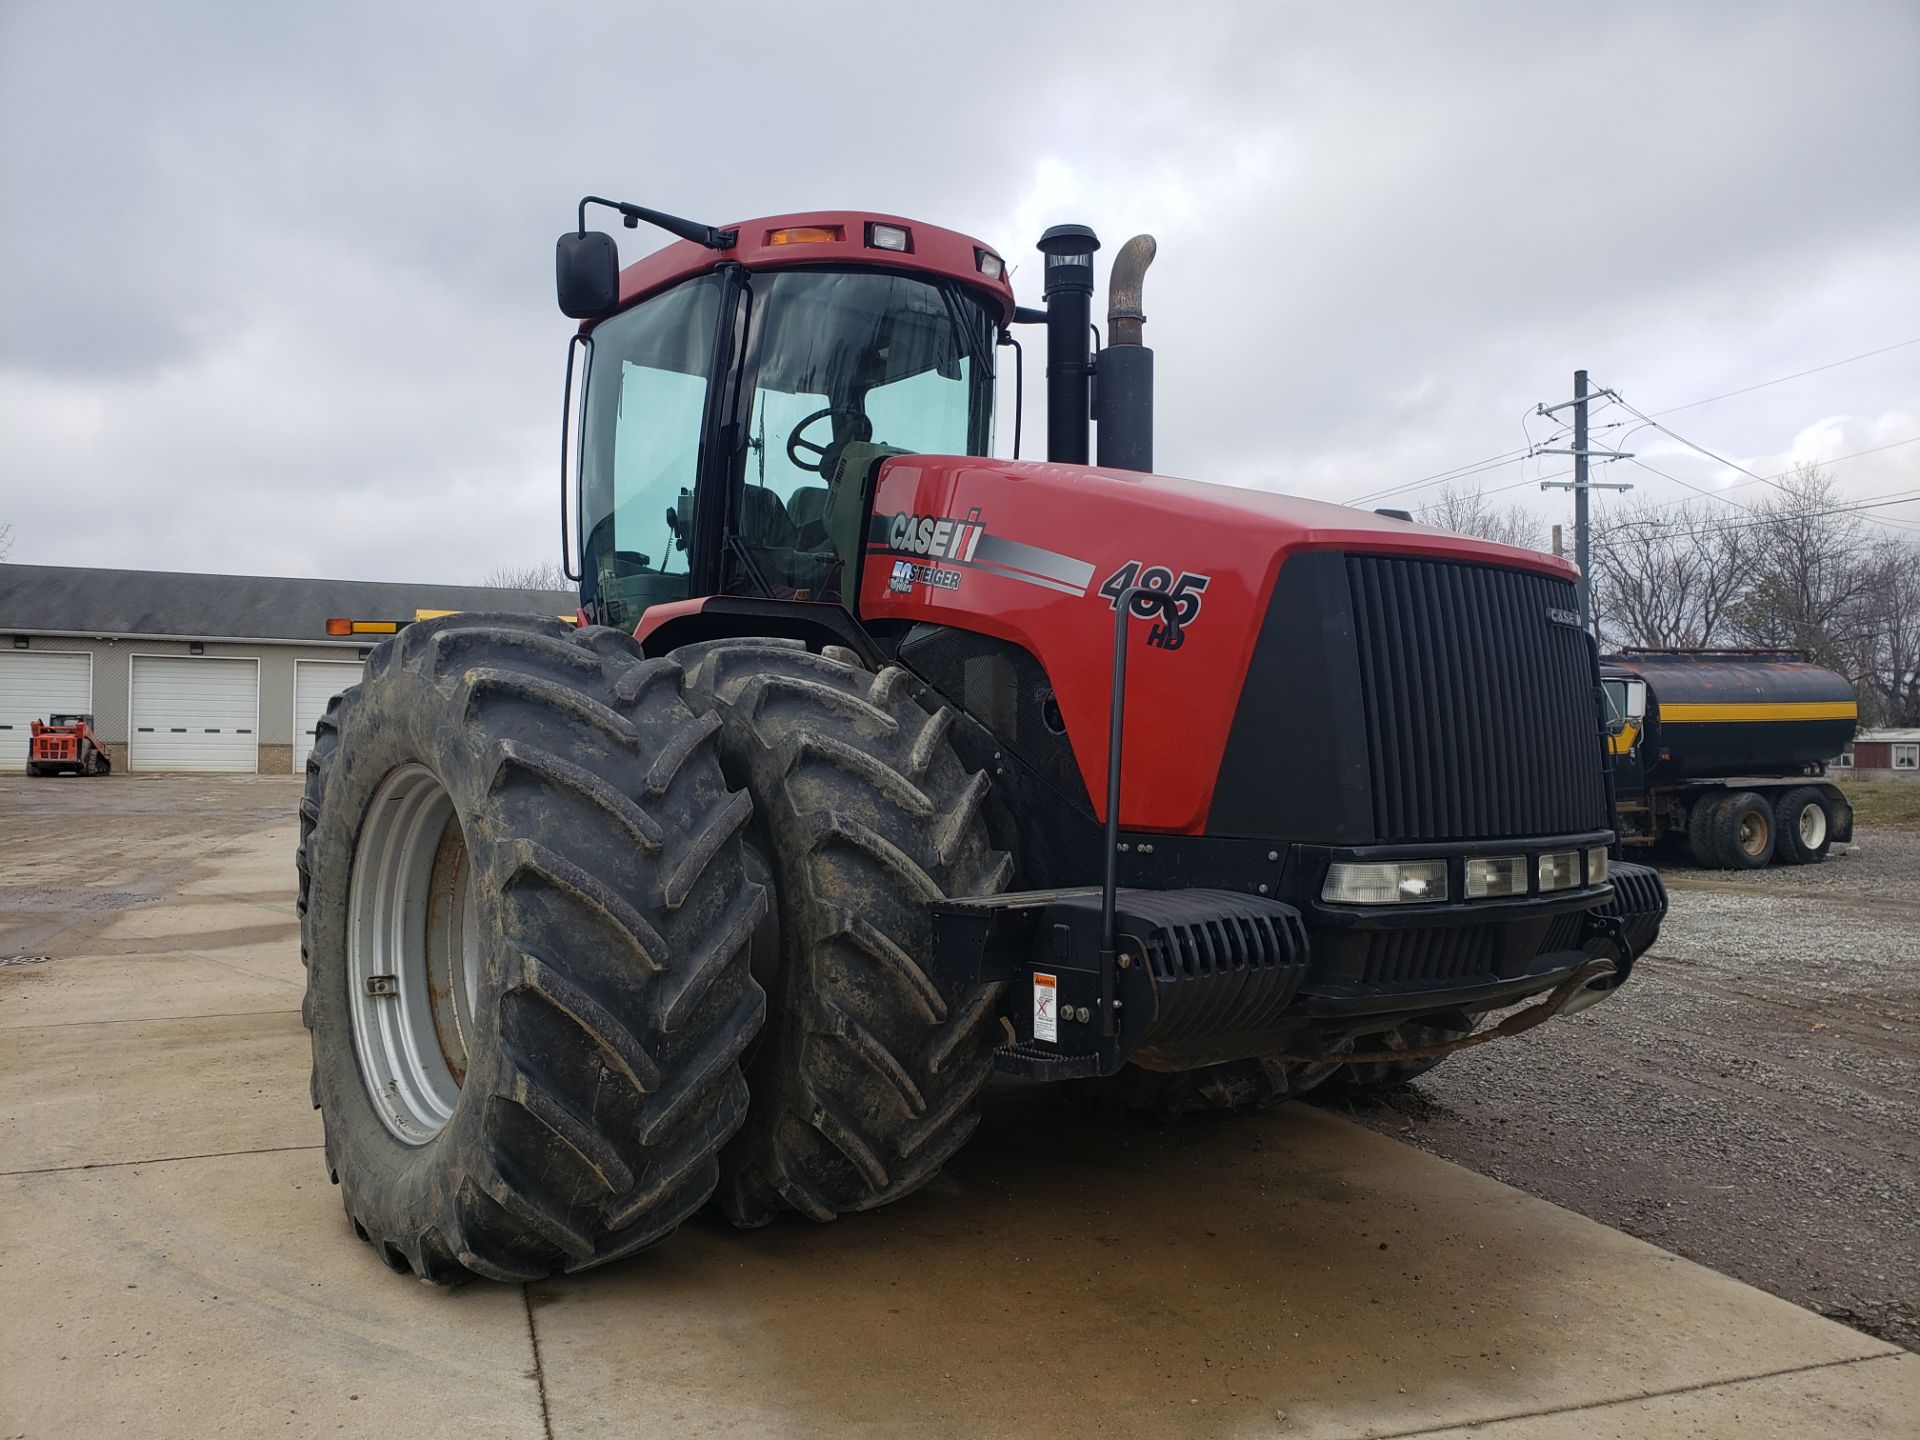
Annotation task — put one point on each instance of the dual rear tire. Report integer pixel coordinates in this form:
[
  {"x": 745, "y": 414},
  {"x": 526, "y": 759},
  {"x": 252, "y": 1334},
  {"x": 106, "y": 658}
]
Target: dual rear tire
[
  {"x": 868, "y": 1076},
  {"x": 525, "y": 917},
  {"x": 538, "y": 874},
  {"x": 1748, "y": 829}
]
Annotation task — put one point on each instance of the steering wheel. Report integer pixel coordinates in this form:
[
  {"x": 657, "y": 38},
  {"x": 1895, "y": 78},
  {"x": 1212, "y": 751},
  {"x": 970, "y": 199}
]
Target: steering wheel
[{"x": 863, "y": 430}]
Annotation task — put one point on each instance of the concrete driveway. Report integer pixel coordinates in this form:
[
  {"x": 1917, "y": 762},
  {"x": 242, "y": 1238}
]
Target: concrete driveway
[{"x": 175, "y": 1263}]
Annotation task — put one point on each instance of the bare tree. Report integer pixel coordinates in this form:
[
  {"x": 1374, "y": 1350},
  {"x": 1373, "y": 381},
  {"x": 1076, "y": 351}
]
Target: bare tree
[
  {"x": 543, "y": 576},
  {"x": 1667, "y": 577},
  {"x": 1813, "y": 571},
  {"x": 6, "y": 539},
  {"x": 1470, "y": 512},
  {"x": 1885, "y": 659}
]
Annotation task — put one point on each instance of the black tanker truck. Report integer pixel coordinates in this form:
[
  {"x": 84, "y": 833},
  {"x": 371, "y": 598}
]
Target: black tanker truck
[{"x": 1728, "y": 750}]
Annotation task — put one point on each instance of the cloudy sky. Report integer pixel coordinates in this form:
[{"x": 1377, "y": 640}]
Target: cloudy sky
[{"x": 276, "y": 281}]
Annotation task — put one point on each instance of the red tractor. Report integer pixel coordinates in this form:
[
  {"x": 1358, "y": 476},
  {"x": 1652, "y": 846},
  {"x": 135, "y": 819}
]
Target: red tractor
[
  {"x": 65, "y": 745},
  {"x": 877, "y": 766}
]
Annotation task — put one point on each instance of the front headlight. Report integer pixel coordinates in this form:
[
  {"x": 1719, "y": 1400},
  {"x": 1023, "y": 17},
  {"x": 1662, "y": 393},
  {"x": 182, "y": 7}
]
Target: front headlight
[
  {"x": 1385, "y": 882},
  {"x": 1599, "y": 865},
  {"x": 1491, "y": 875},
  {"x": 1559, "y": 870}
]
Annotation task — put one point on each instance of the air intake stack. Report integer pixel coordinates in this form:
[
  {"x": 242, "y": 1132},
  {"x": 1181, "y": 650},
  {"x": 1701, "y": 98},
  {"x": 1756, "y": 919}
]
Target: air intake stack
[{"x": 1068, "y": 290}]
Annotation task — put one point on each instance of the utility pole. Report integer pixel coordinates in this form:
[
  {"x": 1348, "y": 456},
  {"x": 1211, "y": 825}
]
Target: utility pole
[
  {"x": 1582, "y": 542},
  {"x": 1581, "y": 484}
]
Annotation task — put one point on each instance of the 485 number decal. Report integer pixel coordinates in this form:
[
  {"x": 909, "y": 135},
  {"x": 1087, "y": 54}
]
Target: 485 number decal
[{"x": 1187, "y": 592}]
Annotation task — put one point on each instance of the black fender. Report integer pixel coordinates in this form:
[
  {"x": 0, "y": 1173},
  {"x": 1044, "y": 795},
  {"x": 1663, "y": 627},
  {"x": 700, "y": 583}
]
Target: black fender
[{"x": 665, "y": 628}]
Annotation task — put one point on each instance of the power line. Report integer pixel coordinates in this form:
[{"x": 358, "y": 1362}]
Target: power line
[
  {"x": 1798, "y": 374},
  {"x": 1495, "y": 462},
  {"x": 1762, "y": 522},
  {"x": 1741, "y": 485},
  {"x": 1458, "y": 472},
  {"x": 1695, "y": 445},
  {"x": 1691, "y": 486}
]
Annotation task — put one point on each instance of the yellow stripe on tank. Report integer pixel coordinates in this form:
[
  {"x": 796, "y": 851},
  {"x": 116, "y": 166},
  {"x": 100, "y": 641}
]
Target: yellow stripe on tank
[{"x": 1759, "y": 710}]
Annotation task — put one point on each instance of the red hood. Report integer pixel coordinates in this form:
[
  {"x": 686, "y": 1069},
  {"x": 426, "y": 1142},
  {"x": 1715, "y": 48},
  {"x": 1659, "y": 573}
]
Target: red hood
[
  {"x": 1292, "y": 520},
  {"x": 1035, "y": 553}
]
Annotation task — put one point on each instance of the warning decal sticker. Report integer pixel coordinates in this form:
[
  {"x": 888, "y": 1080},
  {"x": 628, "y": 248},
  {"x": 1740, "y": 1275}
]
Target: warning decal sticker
[{"x": 1046, "y": 1015}]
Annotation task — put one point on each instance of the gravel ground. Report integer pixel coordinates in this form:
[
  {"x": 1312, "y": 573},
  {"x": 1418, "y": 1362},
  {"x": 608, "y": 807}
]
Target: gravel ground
[{"x": 1751, "y": 1100}]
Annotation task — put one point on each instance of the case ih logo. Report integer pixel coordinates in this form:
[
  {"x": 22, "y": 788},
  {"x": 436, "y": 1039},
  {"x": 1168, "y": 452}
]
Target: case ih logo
[
  {"x": 936, "y": 541},
  {"x": 1563, "y": 617},
  {"x": 938, "y": 537}
]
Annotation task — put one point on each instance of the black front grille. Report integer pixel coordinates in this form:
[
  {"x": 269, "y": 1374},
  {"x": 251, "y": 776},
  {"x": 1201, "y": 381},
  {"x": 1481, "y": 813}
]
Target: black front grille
[
  {"x": 1640, "y": 899},
  {"x": 1396, "y": 956},
  {"x": 1223, "y": 963},
  {"x": 1479, "y": 708},
  {"x": 1564, "y": 932}
]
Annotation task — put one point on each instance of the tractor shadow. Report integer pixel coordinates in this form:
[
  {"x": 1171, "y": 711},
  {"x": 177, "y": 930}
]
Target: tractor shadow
[{"x": 1075, "y": 1271}]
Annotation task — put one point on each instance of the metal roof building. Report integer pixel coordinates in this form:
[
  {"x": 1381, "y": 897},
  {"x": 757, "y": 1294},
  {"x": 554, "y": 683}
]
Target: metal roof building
[{"x": 197, "y": 672}]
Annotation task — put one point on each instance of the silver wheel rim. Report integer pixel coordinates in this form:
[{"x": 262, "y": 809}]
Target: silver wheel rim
[
  {"x": 1753, "y": 834},
  {"x": 1813, "y": 826},
  {"x": 413, "y": 954}
]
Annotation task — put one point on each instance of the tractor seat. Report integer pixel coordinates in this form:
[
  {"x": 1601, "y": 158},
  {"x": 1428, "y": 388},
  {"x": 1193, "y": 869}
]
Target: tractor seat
[
  {"x": 764, "y": 521},
  {"x": 808, "y": 506}
]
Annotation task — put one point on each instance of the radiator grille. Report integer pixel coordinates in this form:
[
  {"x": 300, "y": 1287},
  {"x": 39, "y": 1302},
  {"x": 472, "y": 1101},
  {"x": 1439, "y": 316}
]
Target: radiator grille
[
  {"x": 1564, "y": 932},
  {"x": 1450, "y": 954},
  {"x": 1479, "y": 709}
]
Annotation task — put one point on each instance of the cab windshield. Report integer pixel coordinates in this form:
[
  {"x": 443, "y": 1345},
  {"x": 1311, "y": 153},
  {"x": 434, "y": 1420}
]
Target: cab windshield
[
  {"x": 838, "y": 369},
  {"x": 845, "y": 368}
]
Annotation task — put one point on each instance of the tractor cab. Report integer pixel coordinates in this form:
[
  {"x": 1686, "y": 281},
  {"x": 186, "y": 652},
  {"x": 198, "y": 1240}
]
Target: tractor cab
[{"x": 736, "y": 403}]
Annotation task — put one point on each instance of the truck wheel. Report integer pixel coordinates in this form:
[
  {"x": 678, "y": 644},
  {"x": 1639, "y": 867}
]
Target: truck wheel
[
  {"x": 1700, "y": 830},
  {"x": 1802, "y": 828},
  {"x": 1254, "y": 1084},
  {"x": 1743, "y": 830},
  {"x": 1377, "y": 1077},
  {"x": 869, "y": 1074},
  {"x": 524, "y": 915}
]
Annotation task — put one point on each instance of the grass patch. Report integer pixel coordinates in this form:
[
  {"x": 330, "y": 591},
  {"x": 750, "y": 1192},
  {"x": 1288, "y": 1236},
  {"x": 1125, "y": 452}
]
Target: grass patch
[{"x": 1884, "y": 804}]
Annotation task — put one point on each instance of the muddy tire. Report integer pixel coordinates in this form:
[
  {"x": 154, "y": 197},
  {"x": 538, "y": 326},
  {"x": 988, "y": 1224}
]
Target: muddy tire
[
  {"x": 1743, "y": 831},
  {"x": 1235, "y": 1085},
  {"x": 1377, "y": 1077},
  {"x": 1802, "y": 827},
  {"x": 868, "y": 1075},
  {"x": 525, "y": 830},
  {"x": 1700, "y": 832}
]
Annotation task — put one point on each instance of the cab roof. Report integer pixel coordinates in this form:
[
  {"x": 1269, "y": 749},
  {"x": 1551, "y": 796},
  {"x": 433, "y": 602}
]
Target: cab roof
[{"x": 827, "y": 237}]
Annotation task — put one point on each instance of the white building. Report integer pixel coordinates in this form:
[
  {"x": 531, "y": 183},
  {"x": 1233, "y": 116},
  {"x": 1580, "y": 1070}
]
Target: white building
[{"x": 197, "y": 672}]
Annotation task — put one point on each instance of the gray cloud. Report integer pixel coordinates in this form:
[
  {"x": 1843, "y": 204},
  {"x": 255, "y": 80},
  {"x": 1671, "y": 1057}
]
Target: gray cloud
[{"x": 274, "y": 283}]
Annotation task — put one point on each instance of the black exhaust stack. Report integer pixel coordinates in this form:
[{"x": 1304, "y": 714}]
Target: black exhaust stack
[
  {"x": 1068, "y": 289},
  {"x": 1124, "y": 403}
]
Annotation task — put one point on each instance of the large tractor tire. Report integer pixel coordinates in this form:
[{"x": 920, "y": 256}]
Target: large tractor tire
[
  {"x": 868, "y": 1075},
  {"x": 1743, "y": 831},
  {"x": 1803, "y": 827},
  {"x": 525, "y": 918}
]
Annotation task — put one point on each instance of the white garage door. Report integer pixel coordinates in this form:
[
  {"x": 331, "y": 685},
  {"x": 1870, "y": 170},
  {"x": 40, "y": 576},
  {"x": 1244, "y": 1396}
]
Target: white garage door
[
  {"x": 315, "y": 682},
  {"x": 33, "y": 685},
  {"x": 193, "y": 714}
]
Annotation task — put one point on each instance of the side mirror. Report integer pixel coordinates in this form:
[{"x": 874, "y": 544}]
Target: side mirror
[{"x": 587, "y": 274}]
